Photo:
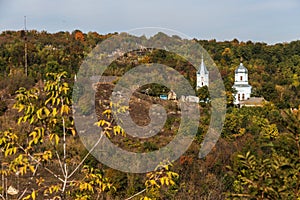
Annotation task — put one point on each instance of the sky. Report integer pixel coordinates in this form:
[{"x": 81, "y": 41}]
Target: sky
[{"x": 270, "y": 21}]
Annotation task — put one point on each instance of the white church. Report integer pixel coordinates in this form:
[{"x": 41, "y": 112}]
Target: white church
[
  {"x": 241, "y": 84},
  {"x": 202, "y": 75}
]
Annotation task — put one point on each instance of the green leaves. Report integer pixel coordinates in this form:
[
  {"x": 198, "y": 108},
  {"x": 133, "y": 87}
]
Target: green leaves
[
  {"x": 267, "y": 178},
  {"x": 270, "y": 131}
]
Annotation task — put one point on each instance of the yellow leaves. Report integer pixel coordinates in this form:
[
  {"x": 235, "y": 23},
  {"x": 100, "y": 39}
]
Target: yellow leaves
[
  {"x": 106, "y": 126},
  {"x": 164, "y": 180},
  {"x": 152, "y": 183},
  {"x": 227, "y": 51},
  {"x": 30, "y": 109},
  {"x": 172, "y": 174},
  {"x": 7, "y": 142},
  {"x": 118, "y": 130},
  {"x": 73, "y": 131},
  {"x": 242, "y": 131},
  {"x": 52, "y": 189},
  {"x": 54, "y": 98},
  {"x": 37, "y": 135},
  {"x": 24, "y": 102},
  {"x": 86, "y": 186},
  {"x": 49, "y": 99},
  {"x": 92, "y": 181},
  {"x": 38, "y": 132},
  {"x": 40, "y": 181},
  {"x": 23, "y": 170},
  {"x": 27, "y": 197},
  {"x": 161, "y": 177},
  {"x": 28, "y": 114},
  {"x": 53, "y": 121},
  {"x": 33, "y": 194},
  {"x": 296, "y": 80},
  {"x": 145, "y": 198},
  {"x": 57, "y": 90},
  {"x": 102, "y": 122},
  {"x": 47, "y": 155},
  {"x": 20, "y": 107},
  {"x": 107, "y": 113},
  {"x": 46, "y": 110},
  {"x": 64, "y": 109},
  {"x": 270, "y": 131},
  {"x": 42, "y": 113},
  {"x": 105, "y": 185},
  {"x": 65, "y": 88},
  {"x": 107, "y": 134},
  {"x": 7, "y": 138},
  {"x": 54, "y": 112},
  {"x": 55, "y": 137},
  {"x": 57, "y": 101},
  {"x": 10, "y": 151},
  {"x": 32, "y": 120},
  {"x": 31, "y": 167},
  {"x": 160, "y": 181},
  {"x": 21, "y": 164},
  {"x": 20, "y": 120}
]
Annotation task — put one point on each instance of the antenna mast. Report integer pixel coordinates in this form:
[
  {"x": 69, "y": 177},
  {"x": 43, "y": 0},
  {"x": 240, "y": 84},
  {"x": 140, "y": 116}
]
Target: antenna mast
[{"x": 25, "y": 38}]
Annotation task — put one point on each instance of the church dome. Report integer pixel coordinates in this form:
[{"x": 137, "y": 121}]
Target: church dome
[{"x": 241, "y": 69}]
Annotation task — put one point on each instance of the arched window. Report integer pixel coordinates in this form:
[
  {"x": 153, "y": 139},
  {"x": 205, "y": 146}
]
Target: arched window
[
  {"x": 241, "y": 78},
  {"x": 239, "y": 97},
  {"x": 243, "y": 96}
]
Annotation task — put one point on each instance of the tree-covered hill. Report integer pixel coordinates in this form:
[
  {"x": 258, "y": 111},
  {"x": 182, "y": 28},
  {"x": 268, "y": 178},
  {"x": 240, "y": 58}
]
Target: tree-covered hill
[
  {"x": 274, "y": 70},
  {"x": 42, "y": 156}
]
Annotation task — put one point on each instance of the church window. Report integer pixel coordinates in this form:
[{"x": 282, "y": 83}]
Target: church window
[
  {"x": 241, "y": 78},
  {"x": 243, "y": 96}
]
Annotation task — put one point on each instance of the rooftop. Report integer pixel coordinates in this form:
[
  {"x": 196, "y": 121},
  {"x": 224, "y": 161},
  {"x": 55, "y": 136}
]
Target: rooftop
[
  {"x": 202, "y": 67},
  {"x": 241, "y": 69},
  {"x": 253, "y": 101}
]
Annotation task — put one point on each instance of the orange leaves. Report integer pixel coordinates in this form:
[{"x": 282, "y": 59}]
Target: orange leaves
[
  {"x": 79, "y": 36},
  {"x": 186, "y": 160}
]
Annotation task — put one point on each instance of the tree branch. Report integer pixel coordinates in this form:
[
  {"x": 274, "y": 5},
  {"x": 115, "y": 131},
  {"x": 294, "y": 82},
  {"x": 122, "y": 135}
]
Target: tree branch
[
  {"x": 38, "y": 163},
  {"x": 140, "y": 192},
  {"x": 82, "y": 161}
]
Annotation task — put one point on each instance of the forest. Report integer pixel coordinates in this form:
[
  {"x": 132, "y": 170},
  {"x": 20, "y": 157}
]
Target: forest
[{"x": 42, "y": 156}]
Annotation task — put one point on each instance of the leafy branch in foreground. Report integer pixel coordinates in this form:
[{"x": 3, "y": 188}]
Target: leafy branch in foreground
[
  {"x": 41, "y": 150},
  {"x": 160, "y": 179},
  {"x": 274, "y": 172}
]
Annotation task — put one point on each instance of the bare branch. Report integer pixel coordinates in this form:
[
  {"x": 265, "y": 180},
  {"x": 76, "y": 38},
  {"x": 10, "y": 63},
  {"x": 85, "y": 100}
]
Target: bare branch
[
  {"x": 92, "y": 149},
  {"x": 140, "y": 192}
]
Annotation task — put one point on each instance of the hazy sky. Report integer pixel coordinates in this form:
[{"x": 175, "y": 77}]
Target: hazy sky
[{"x": 269, "y": 21}]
